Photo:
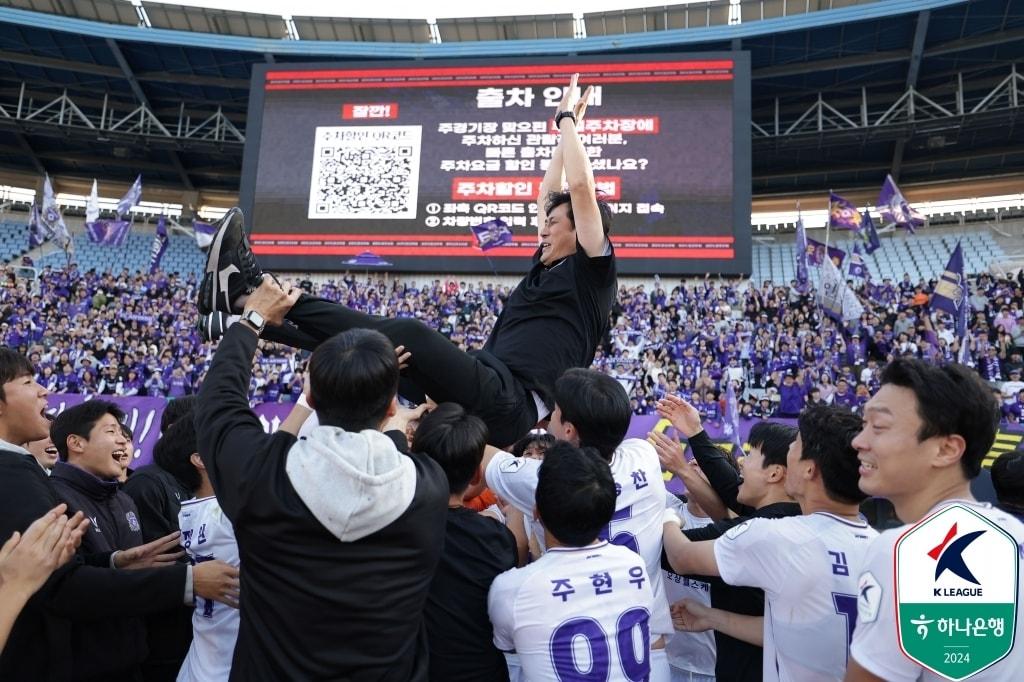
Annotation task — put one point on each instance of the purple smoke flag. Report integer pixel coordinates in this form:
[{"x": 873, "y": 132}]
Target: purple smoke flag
[
  {"x": 951, "y": 291},
  {"x": 160, "y": 243},
  {"x": 131, "y": 198},
  {"x": 51, "y": 219},
  {"x": 894, "y": 207},
  {"x": 871, "y": 241},
  {"x": 108, "y": 232},
  {"x": 816, "y": 253},
  {"x": 802, "y": 277},
  {"x": 857, "y": 267},
  {"x": 368, "y": 259},
  {"x": 204, "y": 234},
  {"x": 842, "y": 215},
  {"x": 731, "y": 425},
  {"x": 492, "y": 234}
]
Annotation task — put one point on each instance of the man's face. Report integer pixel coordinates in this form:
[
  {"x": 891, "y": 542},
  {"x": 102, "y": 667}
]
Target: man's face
[
  {"x": 23, "y": 410},
  {"x": 102, "y": 452},
  {"x": 556, "y": 428},
  {"x": 558, "y": 236},
  {"x": 892, "y": 460},
  {"x": 794, "y": 483},
  {"x": 755, "y": 478},
  {"x": 44, "y": 452}
]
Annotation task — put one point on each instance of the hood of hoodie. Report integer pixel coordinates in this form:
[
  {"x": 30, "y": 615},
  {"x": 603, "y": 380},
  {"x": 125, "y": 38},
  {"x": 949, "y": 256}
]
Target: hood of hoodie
[{"x": 355, "y": 484}]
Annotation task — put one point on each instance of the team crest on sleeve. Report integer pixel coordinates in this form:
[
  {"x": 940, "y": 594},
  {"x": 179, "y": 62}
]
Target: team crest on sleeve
[
  {"x": 133, "y": 522},
  {"x": 737, "y": 531},
  {"x": 956, "y": 584}
]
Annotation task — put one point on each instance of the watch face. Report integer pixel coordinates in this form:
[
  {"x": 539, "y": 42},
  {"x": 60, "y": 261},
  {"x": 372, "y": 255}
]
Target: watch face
[{"x": 255, "y": 318}]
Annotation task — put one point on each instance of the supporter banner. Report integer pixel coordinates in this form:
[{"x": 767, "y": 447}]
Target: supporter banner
[{"x": 143, "y": 415}]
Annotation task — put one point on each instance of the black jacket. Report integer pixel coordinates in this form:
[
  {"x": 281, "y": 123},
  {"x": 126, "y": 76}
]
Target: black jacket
[
  {"x": 114, "y": 526},
  {"x": 158, "y": 496},
  {"x": 39, "y": 647},
  {"x": 315, "y": 606}
]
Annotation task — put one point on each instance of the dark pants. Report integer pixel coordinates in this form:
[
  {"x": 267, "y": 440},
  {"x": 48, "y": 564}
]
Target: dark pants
[{"x": 479, "y": 382}]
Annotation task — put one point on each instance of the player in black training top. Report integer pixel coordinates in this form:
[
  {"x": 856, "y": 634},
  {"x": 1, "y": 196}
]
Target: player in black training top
[{"x": 552, "y": 321}]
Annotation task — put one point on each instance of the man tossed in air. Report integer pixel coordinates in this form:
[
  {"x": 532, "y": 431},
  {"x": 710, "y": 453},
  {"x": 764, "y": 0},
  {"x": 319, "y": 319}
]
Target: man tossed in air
[{"x": 552, "y": 321}]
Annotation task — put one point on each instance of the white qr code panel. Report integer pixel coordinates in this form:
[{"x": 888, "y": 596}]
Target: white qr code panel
[{"x": 364, "y": 172}]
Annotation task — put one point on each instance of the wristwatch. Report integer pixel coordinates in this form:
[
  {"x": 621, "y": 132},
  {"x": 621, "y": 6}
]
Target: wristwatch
[
  {"x": 564, "y": 114},
  {"x": 257, "y": 321}
]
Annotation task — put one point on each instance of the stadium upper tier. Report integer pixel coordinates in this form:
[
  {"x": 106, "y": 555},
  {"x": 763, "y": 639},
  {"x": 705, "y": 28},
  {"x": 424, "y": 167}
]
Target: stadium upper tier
[
  {"x": 843, "y": 91},
  {"x": 923, "y": 256}
]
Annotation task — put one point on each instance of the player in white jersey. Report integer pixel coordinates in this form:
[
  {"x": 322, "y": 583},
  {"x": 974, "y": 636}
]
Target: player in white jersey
[
  {"x": 691, "y": 655},
  {"x": 583, "y": 610},
  {"x": 926, "y": 433},
  {"x": 807, "y": 565},
  {"x": 592, "y": 410},
  {"x": 206, "y": 535}
]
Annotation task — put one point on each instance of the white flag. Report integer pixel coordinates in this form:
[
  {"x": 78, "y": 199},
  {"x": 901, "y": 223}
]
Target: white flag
[{"x": 92, "y": 205}]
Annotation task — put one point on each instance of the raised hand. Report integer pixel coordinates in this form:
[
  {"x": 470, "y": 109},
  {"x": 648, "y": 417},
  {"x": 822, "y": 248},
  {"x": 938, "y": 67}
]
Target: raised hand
[{"x": 682, "y": 414}]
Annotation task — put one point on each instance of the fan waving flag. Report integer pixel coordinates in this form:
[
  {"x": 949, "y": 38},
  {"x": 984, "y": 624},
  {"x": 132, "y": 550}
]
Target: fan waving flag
[
  {"x": 160, "y": 242},
  {"x": 802, "y": 278},
  {"x": 871, "y": 241},
  {"x": 131, "y": 198},
  {"x": 842, "y": 215},
  {"x": 492, "y": 234},
  {"x": 894, "y": 207}
]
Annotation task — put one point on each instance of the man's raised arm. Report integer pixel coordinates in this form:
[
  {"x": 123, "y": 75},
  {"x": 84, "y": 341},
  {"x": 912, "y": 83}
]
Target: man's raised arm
[{"x": 578, "y": 174}]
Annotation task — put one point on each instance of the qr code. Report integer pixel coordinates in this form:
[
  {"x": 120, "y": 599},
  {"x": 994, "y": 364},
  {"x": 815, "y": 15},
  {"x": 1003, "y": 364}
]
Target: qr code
[{"x": 365, "y": 172}]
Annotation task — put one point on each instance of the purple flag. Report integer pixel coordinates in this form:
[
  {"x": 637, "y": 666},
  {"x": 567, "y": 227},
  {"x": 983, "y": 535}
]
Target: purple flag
[
  {"x": 492, "y": 234},
  {"x": 37, "y": 233},
  {"x": 871, "y": 241},
  {"x": 204, "y": 234},
  {"x": 108, "y": 232},
  {"x": 894, "y": 207},
  {"x": 368, "y": 259},
  {"x": 816, "y": 253},
  {"x": 131, "y": 198},
  {"x": 160, "y": 243},
  {"x": 857, "y": 266},
  {"x": 951, "y": 291},
  {"x": 802, "y": 278},
  {"x": 842, "y": 215}
]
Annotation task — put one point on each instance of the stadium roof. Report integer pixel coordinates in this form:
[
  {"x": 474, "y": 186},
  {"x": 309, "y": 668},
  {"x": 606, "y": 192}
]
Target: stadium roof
[{"x": 843, "y": 90}]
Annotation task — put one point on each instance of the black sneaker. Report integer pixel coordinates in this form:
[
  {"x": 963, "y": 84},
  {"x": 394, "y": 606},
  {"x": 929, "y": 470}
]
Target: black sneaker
[
  {"x": 231, "y": 267},
  {"x": 213, "y": 325}
]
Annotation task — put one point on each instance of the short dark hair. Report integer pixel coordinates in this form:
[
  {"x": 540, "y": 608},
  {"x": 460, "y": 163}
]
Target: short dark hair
[
  {"x": 176, "y": 409},
  {"x": 127, "y": 432},
  {"x": 597, "y": 405},
  {"x": 173, "y": 453},
  {"x": 353, "y": 377},
  {"x": 575, "y": 493},
  {"x": 774, "y": 441},
  {"x": 951, "y": 399},
  {"x": 13, "y": 365},
  {"x": 1008, "y": 478},
  {"x": 454, "y": 439},
  {"x": 826, "y": 434},
  {"x": 545, "y": 440},
  {"x": 79, "y": 421},
  {"x": 556, "y": 199}
]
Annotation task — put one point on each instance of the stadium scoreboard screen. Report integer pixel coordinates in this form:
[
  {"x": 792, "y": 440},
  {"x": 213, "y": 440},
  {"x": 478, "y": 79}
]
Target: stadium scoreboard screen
[{"x": 392, "y": 165}]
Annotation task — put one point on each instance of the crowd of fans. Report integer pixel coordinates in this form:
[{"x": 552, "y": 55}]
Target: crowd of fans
[{"x": 124, "y": 334}]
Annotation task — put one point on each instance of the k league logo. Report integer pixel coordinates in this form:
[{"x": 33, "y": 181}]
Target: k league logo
[{"x": 956, "y": 592}]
